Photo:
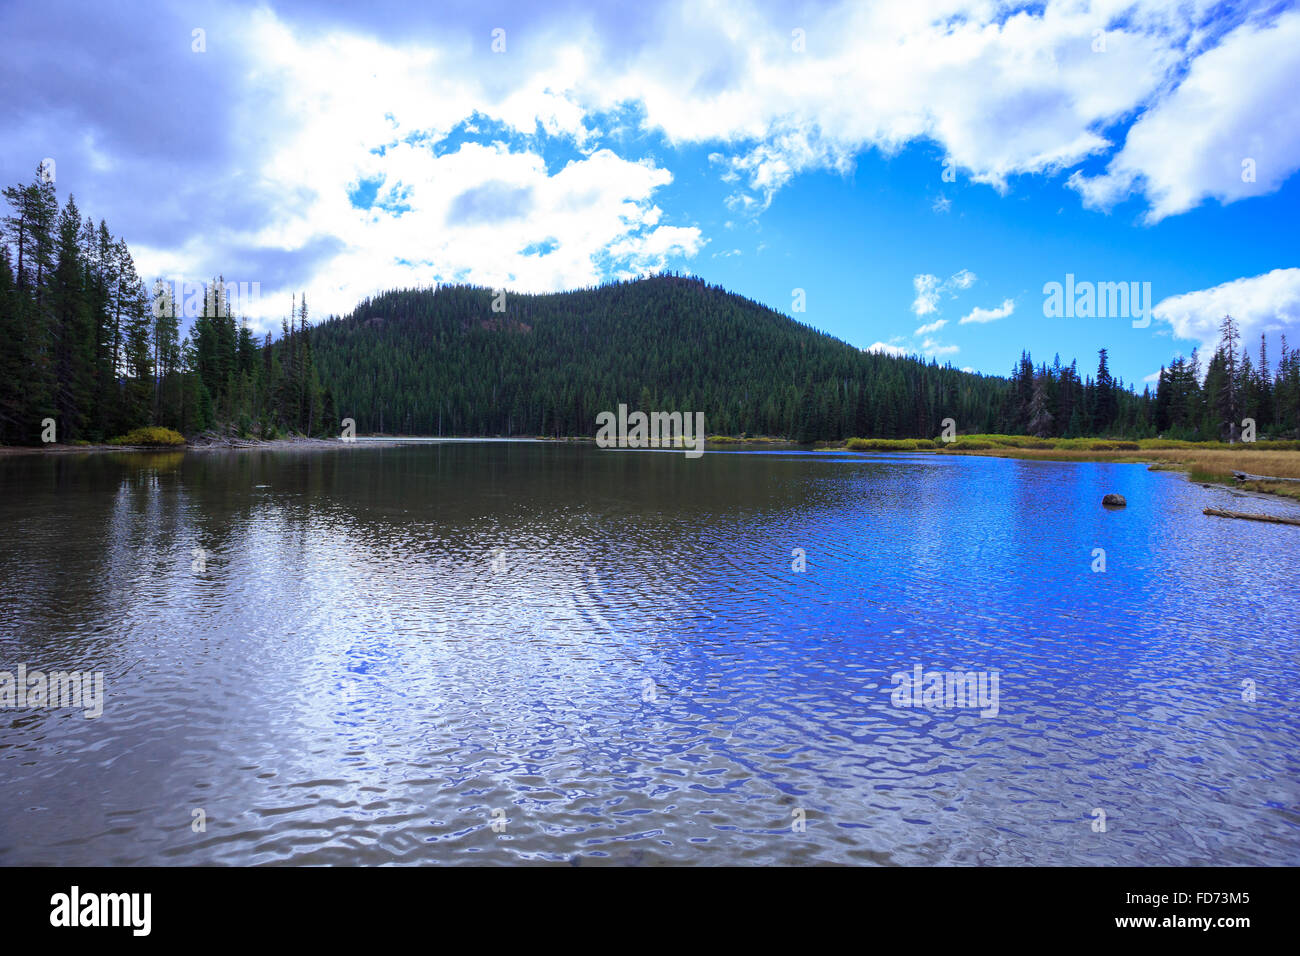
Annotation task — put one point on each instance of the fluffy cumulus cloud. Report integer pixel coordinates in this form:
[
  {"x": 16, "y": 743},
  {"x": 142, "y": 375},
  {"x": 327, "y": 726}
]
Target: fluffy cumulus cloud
[
  {"x": 312, "y": 156},
  {"x": 978, "y": 316},
  {"x": 1230, "y": 130},
  {"x": 935, "y": 349},
  {"x": 351, "y": 150},
  {"x": 927, "y": 294},
  {"x": 966, "y": 75},
  {"x": 1003, "y": 89},
  {"x": 1267, "y": 305},
  {"x": 886, "y": 348},
  {"x": 436, "y": 207},
  {"x": 930, "y": 289}
]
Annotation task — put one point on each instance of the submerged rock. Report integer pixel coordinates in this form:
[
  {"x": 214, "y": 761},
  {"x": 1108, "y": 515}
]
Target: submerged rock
[{"x": 1114, "y": 501}]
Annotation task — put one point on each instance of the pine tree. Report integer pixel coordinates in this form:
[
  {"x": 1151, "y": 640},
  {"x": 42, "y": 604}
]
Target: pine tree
[
  {"x": 1228, "y": 404},
  {"x": 1040, "y": 416}
]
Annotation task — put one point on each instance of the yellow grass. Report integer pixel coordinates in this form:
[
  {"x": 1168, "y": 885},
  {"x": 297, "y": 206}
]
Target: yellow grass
[
  {"x": 1204, "y": 464},
  {"x": 1278, "y": 464}
]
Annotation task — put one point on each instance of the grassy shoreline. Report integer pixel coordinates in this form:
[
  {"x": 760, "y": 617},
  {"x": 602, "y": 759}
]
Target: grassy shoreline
[
  {"x": 1212, "y": 466},
  {"x": 1207, "y": 462},
  {"x": 1210, "y": 462}
]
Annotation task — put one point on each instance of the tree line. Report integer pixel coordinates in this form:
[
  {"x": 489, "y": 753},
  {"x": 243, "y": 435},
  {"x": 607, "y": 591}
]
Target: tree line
[
  {"x": 1213, "y": 405},
  {"x": 464, "y": 360},
  {"x": 88, "y": 346}
]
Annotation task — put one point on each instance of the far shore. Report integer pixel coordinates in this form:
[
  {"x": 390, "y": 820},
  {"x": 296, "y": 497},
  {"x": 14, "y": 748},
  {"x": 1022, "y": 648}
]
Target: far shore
[
  {"x": 233, "y": 444},
  {"x": 1205, "y": 462}
]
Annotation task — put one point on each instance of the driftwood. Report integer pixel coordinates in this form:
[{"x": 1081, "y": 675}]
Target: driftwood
[
  {"x": 1220, "y": 513},
  {"x": 1246, "y": 476}
]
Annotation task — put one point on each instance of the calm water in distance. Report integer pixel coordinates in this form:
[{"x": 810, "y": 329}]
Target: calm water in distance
[{"x": 608, "y": 654}]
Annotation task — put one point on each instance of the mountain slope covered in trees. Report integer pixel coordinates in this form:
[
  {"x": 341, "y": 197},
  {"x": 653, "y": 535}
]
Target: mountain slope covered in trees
[{"x": 443, "y": 362}]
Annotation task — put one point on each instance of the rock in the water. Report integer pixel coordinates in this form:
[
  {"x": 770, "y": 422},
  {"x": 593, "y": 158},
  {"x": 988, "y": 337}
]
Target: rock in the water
[{"x": 1114, "y": 501}]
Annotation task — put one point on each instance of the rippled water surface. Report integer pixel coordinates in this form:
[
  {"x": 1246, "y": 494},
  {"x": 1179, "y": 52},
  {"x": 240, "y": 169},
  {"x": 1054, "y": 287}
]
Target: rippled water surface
[{"x": 609, "y": 655}]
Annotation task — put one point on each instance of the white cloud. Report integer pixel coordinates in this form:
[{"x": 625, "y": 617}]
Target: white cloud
[
  {"x": 929, "y": 289},
  {"x": 927, "y": 294},
  {"x": 490, "y": 214},
  {"x": 593, "y": 218},
  {"x": 962, "y": 280},
  {"x": 1001, "y": 91},
  {"x": 935, "y": 349},
  {"x": 884, "y": 348},
  {"x": 931, "y": 328},
  {"x": 1238, "y": 103},
  {"x": 980, "y": 316},
  {"x": 1267, "y": 304}
]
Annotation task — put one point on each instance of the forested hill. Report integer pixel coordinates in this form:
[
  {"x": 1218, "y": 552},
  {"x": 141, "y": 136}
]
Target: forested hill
[{"x": 443, "y": 362}]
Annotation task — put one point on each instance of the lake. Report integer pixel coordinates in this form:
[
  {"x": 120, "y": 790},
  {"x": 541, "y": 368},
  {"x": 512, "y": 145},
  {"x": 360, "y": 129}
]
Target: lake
[{"x": 501, "y": 652}]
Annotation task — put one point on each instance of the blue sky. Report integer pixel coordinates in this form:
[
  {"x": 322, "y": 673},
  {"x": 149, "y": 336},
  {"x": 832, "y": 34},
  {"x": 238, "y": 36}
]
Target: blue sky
[{"x": 919, "y": 170}]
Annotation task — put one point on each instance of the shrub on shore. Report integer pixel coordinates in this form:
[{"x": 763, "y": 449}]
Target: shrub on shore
[
  {"x": 1006, "y": 441},
  {"x": 149, "y": 435},
  {"x": 888, "y": 444}
]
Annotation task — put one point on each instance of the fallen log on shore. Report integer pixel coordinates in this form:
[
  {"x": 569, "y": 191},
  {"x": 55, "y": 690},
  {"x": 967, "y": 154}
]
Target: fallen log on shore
[
  {"x": 1220, "y": 513},
  {"x": 1246, "y": 476}
]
